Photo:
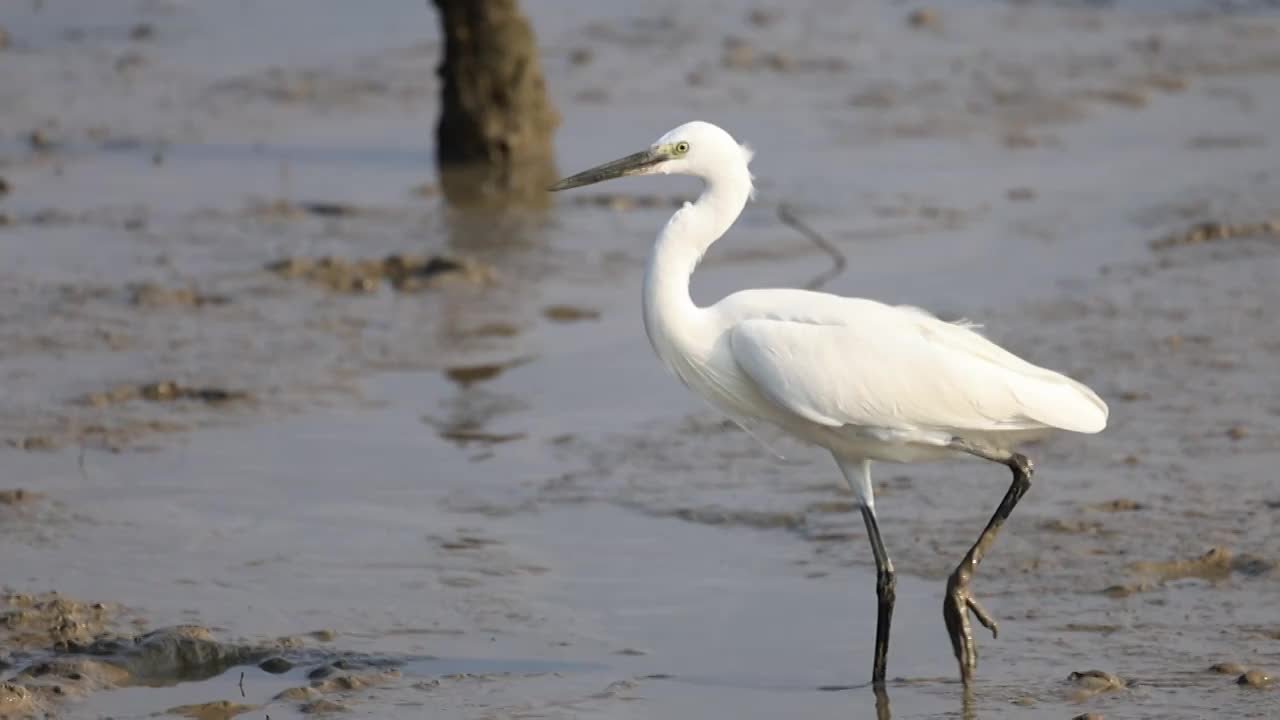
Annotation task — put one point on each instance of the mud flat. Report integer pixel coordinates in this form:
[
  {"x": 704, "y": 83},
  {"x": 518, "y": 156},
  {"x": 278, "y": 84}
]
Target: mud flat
[{"x": 281, "y": 435}]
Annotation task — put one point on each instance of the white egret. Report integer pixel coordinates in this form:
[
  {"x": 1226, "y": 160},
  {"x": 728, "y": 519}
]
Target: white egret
[{"x": 864, "y": 380}]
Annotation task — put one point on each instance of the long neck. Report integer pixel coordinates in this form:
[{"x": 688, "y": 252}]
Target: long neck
[{"x": 669, "y": 311}]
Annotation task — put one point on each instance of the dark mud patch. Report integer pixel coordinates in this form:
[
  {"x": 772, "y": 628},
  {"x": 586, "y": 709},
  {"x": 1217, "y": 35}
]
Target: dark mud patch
[
  {"x": 115, "y": 436},
  {"x": 281, "y": 209},
  {"x": 464, "y": 434},
  {"x": 275, "y": 665},
  {"x": 758, "y": 519},
  {"x": 151, "y": 295},
  {"x": 165, "y": 391},
  {"x": 14, "y": 497},
  {"x": 1214, "y": 231},
  {"x": 1118, "y": 505},
  {"x": 569, "y": 313},
  {"x": 468, "y": 375},
  {"x": 622, "y": 202},
  {"x": 492, "y": 330},
  {"x": 1072, "y": 527},
  {"x": 404, "y": 273}
]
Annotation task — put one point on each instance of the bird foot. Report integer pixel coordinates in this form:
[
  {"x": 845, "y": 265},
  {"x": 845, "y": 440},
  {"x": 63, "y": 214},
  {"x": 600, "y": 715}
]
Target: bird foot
[{"x": 956, "y": 607}]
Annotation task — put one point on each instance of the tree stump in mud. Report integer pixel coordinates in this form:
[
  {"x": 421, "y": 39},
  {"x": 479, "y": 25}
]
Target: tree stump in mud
[{"x": 494, "y": 140}]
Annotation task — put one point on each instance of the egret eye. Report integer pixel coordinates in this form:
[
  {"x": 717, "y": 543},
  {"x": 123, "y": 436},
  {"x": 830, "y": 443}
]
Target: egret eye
[{"x": 682, "y": 147}]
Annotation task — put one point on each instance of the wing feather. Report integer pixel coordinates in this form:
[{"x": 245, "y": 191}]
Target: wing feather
[{"x": 898, "y": 368}]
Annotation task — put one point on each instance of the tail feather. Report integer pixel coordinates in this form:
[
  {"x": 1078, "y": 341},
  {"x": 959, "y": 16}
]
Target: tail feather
[{"x": 1063, "y": 403}]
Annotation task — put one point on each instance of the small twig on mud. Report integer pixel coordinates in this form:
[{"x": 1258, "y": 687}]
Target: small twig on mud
[
  {"x": 838, "y": 261},
  {"x": 242, "y": 684}
]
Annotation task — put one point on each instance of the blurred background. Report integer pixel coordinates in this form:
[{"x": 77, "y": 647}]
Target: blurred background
[{"x": 312, "y": 400}]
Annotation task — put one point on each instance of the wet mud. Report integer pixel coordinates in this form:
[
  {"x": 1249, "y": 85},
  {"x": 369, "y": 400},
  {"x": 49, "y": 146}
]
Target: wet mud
[
  {"x": 404, "y": 274},
  {"x": 61, "y": 651},
  {"x": 259, "y": 380}
]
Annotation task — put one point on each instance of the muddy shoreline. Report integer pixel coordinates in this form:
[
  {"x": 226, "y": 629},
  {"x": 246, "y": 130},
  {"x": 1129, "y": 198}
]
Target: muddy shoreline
[{"x": 282, "y": 434}]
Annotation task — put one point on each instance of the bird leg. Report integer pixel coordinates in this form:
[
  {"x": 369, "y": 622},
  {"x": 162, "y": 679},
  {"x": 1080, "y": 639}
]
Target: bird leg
[
  {"x": 886, "y": 586},
  {"x": 959, "y": 601}
]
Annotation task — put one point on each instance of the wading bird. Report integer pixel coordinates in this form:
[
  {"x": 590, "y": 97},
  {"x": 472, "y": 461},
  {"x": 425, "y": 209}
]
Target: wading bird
[{"x": 867, "y": 381}]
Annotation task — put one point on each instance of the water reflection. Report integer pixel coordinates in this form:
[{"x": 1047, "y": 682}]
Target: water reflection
[
  {"x": 882, "y": 704},
  {"x": 884, "y": 712},
  {"x": 483, "y": 329}
]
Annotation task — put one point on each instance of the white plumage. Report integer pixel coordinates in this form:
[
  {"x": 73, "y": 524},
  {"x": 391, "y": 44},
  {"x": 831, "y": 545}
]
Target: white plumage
[
  {"x": 865, "y": 380},
  {"x": 898, "y": 369}
]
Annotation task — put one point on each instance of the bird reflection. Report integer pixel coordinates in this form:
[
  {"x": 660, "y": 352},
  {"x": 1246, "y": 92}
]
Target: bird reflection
[{"x": 883, "y": 711}]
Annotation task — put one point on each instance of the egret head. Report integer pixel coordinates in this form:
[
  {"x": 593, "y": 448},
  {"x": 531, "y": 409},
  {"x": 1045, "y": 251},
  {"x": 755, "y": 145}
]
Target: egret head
[{"x": 695, "y": 148}]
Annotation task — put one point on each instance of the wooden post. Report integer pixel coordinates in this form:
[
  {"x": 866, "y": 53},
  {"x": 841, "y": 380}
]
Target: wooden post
[{"x": 495, "y": 137}]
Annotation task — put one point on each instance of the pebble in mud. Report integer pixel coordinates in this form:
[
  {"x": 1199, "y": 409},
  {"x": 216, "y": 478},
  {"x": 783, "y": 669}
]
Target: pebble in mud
[
  {"x": 275, "y": 665},
  {"x": 1255, "y": 679}
]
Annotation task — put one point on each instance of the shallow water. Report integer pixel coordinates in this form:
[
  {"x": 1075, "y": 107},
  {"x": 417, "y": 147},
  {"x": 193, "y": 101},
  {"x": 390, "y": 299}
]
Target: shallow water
[{"x": 494, "y": 491}]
